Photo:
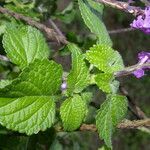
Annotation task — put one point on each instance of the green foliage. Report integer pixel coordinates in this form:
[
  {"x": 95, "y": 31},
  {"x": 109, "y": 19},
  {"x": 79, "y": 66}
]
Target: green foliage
[
  {"x": 42, "y": 77},
  {"x": 24, "y": 44},
  {"x": 29, "y": 106},
  {"x": 28, "y": 114},
  {"x": 105, "y": 58},
  {"x": 31, "y": 102},
  {"x": 73, "y": 111},
  {"x": 112, "y": 111},
  {"x": 107, "y": 83},
  {"x": 78, "y": 77},
  {"x": 87, "y": 96},
  {"x": 92, "y": 15},
  {"x": 4, "y": 83}
]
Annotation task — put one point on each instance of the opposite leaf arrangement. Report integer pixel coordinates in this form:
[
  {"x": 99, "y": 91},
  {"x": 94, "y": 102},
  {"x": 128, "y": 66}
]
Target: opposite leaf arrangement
[{"x": 28, "y": 103}]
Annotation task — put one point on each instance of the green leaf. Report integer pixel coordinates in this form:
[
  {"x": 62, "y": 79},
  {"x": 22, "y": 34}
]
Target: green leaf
[
  {"x": 107, "y": 83},
  {"x": 27, "y": 104},
  {"x": 112, "y": 111},
  {"x": 24, "y": 44},
  {"x": 28, "y": 114},
  {"x": 78, "y": 77},
  {"x": 87, "y": 96},
  {"x": 92, "y": 15},
  {"x": 42, "y": 77},
  {"x": 4, "y": 83},
  {"x": 105, "y": 58},
  {"x": 73, "y": 111}
]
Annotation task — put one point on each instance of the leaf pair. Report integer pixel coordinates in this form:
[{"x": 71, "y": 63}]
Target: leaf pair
[
  {"x": 113, "y": 110},
  {"x": 108, "y": 61},
  {"x": 27, "y": 103},
  {"x": 73, "y": 109}
]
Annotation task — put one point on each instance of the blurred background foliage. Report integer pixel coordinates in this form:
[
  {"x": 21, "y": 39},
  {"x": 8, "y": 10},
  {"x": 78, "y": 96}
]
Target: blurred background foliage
[{"x": 66, "y": 15}]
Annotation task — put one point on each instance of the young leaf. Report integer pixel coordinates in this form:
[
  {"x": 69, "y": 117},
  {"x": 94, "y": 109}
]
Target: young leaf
[
  {"x": 105, "y": 58},
  {"x": 42, "y": 77},
  {"x": 73, "y": 111},
  {"x": 112, "y": 111},
  {"x": 24, "y": 44},
  {"x": 28, "y": 114},
  {"x": 92, "y": 15},
  {"x": 107, "y": 83},
  {"x": 78, "y": 77}
]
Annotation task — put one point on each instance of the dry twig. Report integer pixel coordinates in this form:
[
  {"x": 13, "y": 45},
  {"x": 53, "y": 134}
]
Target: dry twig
[
  {"x": 120, "y": 30},
  {"x": 126, "y": 124},
  {"x": 51, "y": 34}
]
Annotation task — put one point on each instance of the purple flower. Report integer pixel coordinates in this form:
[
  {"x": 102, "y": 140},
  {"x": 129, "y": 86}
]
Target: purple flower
[
  {"x": 144, "y": 57},
  {"x": 63, "y": 86},
  {"x": 142, "y": 22}
]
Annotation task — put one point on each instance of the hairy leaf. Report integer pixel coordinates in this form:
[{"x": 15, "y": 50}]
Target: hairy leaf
[
  {"x": 107, "y": 83},
  {"x": 42, "y": 77},
  {"x": 72, "y": 112},
  {"x": 112, "y": 111},
  {"x": 78, "y": 77},
  {"x": 24, "y": 44},
  {"x": 28, "y": 114},
  {"x": 92, "y": 15},
  {"x": 105, "y": 58},
  {"x": 27, "y": 104}
]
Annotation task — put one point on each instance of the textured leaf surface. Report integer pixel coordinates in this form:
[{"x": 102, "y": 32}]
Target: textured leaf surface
[
  {"x": 78, "y": 77},
  {"x": 42, "y": 77},
  {"x": 87, "y": 96},
  {"x": 4, "y": 83},
  {"x": 27, "y": 105},
  {"x": 112, "y": 111},
  {"x": 24, "y": 44},
  {"x": 72, "y": 112},
  {"x": 107, "y": 83},
  {"x": 105, "y": 58},
  {"x": 92, "y": 15},
  {"x": 28, "y": 114}
]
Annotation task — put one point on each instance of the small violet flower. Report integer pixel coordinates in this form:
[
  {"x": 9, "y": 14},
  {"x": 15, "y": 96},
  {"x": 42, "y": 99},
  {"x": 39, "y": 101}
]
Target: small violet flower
[
  {"x": 63, "y": 86},
  {"x": 144, "y": 57},
  {"x": 143, "y": 21}
]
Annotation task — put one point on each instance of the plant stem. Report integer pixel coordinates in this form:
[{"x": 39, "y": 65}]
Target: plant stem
[
  {"x": 129, "y": 70},
  {"x": 51, "y": 34},
  {"x": 124, "y": 6},
  {"x": 126, "y": 124}
]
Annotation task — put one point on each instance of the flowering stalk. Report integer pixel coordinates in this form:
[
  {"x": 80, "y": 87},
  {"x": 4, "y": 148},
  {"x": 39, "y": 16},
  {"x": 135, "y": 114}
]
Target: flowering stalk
[
  {"x": 131, "y": 69},
  {"x": 124, "y": 6}
]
